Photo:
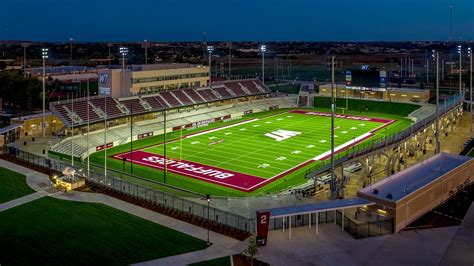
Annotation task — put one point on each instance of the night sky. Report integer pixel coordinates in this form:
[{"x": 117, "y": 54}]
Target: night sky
[{"x": 256, "y": 20}]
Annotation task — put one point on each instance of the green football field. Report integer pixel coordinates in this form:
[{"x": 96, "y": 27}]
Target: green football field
[
  {"x": 246, "y": 148},
  {"x": 250, "y": 149}
]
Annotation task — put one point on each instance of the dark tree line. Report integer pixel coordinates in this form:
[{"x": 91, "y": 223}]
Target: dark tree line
[{"x": 19, "y": 93}]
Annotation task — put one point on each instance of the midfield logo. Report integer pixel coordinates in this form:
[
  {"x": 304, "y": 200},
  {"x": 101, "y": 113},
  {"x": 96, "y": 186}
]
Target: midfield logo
[{"x": 281, "y": 135}]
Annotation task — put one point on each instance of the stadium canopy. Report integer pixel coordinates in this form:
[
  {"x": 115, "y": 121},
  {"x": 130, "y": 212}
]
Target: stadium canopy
[{"x": 308, "y": 209}]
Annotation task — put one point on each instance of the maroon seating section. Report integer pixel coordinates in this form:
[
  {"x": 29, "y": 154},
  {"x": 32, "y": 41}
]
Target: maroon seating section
[
  {"x": 193, "y": 94},
  {"x": 111, "y": 110},
  {"x": 161, "y": 102},
  {"x": 81, "y": 107},
  {"x": 223, "y": 92},
  {"x": 63, "y": 112},
  {"x": 208, "y": 95},
  {"x": 134, "y": 105},
  {"x": 235, "y": 87},
  {"x": 170, "y": 99},
  {"x": 153, "y": 103},
  {"x": 251, "y": 87},
  {"x": 182, "y": 97}
]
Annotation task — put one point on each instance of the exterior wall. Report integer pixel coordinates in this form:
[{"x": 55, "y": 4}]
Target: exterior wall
[
  {"x": 389, "y": 95},
  {"x": 161, "y": 79},
  {"x": 413, "y": 206},
  {"x": 111, "y": 82}
]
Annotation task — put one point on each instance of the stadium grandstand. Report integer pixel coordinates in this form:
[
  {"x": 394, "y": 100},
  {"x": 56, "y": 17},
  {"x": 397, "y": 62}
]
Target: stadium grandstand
[{"x": 225, "y": 100}]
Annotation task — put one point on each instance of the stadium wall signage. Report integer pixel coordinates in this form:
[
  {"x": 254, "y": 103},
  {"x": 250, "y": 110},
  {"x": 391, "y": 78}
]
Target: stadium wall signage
[{"x": 101, "y": 147}]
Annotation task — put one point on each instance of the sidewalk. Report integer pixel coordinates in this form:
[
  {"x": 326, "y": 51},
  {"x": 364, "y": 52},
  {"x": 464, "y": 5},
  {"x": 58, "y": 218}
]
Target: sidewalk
[
  {"x": 20, "y": 201},
  {"x": 222, "y": 245}
]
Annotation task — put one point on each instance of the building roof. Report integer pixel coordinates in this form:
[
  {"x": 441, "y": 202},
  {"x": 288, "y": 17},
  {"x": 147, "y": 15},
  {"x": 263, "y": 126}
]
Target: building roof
[
  {"x": 415, "y": 177},
  {"x": 8, "y": 128},
  {"x": 330, "y": 205}
]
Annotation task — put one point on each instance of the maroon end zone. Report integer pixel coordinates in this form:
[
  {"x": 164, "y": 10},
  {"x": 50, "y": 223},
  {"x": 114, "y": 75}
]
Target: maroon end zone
[
  {"x": 231, "y": 179},
  {"x": 228, "y": 178},
  {"x": 353, "y": 117}
]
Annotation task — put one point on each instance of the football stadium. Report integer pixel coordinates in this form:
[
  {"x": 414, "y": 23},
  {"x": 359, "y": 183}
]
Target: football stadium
[
  {"x": 170, "y": 140},
  {"x": 231, "y": 139}
]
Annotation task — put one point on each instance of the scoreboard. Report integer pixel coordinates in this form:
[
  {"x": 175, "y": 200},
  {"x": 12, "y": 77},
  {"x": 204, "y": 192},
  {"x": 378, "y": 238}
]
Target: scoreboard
[{"x": 366, "y": 77}]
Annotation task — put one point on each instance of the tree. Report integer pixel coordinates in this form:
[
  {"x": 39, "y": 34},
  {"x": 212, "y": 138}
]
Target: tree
[{"x": 252, "y": 250}]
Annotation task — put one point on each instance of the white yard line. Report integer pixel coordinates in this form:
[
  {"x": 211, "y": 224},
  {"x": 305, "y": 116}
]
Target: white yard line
[
  {"x": 221, "y": 128},
  {"x": 342, "y": 146}
]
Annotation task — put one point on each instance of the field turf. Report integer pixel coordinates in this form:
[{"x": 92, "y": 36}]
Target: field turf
[
  {"x": 50, "y": 231},
  {"x": 12, "y": 185},
  {"x": 243, "y": 152}
]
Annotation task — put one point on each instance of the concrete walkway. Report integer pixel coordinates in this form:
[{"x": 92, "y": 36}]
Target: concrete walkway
[
  {"x": 222, "y": 245},
  {"x": 19, "y": 201}
]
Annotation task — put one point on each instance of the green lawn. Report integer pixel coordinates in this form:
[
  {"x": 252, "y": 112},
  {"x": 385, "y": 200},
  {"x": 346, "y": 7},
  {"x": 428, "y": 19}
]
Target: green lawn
[
  {"x": 223, "y": 261},
  {"x": 49, "y": 231},
  {"x": 12, "y": 185},
  {"x": 292, "y": 179}
]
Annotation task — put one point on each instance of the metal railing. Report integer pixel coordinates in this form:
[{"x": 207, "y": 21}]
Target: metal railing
[
  {"x": 383, "y": 141},
  {"x": 140, "y": 191}
]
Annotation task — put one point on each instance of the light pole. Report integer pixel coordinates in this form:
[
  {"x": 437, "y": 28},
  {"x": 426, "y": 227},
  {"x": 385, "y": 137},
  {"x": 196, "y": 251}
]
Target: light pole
[
  {"x": 230, "y": 60},
  {"x": 109, "y": 57},
  {"x": 24, "y": 45},
  {"x": 469, "y": 53},
  {"x": 460, "y": 69},
  {"x": 123, "y": 52},
  {"x": 435, "y": 56},
  {"x": 145, "y": 45},
  {"x": 333, "y": 178},
  {"x": 70, "y": 47},
  {"x": 263, "y": 49},
  {"x": 208, "y": 198},
  {"x": 210, "y": 49},
  {"x": 44, "y": 55},
  {"x": 427, "y": 71}
]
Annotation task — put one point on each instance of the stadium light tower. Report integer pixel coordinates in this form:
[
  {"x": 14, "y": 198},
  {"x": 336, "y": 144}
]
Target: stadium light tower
[
  {"x": 70, "y": 47},
  {"x": 435, "y": 56},
  {"x": 145, "y": 45},
  {"x": 469, "y": 53},
  {"x": 109, "y": 58},
  {"x": 210, "y": 49},
  {"x": 123, "y": 52},
  {"x": 24, "y": 45},
  {"x": 460, "y": 69},
  {"x": 44, "y": 55},
  {"x": 263, "y": 49},
  {"x": 333, "y": 177}
]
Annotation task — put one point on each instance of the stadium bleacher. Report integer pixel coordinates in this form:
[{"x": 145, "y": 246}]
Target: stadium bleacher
[
  {"x": 100, "y": 107},
  {"x": 119, "y": 134},
  {"x": 134, "y": 105},
  {"x": 182, "y": 97}
]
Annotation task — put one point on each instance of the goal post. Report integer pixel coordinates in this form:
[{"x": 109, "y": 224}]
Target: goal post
[{"x": 344, "y": 106}]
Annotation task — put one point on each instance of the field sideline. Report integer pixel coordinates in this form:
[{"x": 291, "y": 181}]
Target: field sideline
[
  {"x": 291, "y": 179},
  {"x": 251, "y": 154}
]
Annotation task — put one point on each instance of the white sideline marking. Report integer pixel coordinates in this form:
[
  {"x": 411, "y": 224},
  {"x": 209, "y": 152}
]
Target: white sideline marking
[
  {"x": 221, "y": 128},
  {"x": 342, "y": 146}
]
